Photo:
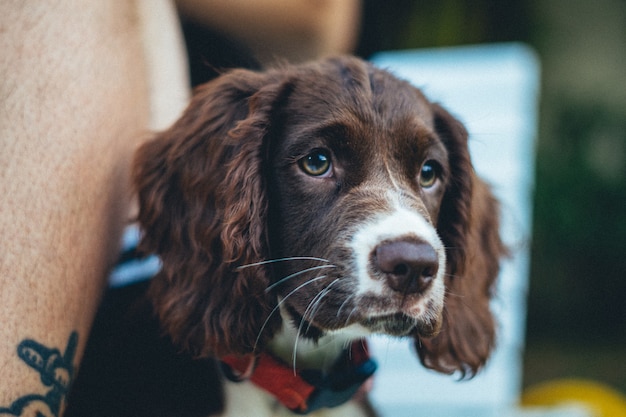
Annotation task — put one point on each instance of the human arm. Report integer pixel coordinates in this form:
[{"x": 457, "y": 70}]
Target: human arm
[
  {"x": 282, "y": 29},
  {"x": 73, "y": 96}
]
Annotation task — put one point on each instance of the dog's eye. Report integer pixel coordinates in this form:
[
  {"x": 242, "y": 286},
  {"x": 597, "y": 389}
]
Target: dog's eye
[
  {"x": 429, "y": 174},
  {"x": 317, "y": 163}
]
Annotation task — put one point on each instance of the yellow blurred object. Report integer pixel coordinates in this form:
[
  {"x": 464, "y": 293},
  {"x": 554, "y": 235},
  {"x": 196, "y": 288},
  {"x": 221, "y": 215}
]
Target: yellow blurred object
[{"x": 600, "y": 399}]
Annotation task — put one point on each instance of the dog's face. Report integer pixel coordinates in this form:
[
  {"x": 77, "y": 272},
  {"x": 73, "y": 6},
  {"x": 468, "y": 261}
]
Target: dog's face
[
  {"x": 356, "y": 179},
  {"x": 332, "y": 191}
]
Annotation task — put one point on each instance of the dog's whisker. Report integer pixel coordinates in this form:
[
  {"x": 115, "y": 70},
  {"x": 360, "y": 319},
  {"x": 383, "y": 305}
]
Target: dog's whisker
[
  {"x": 294, "y": 355},
  {"x": 319, "y": 296},
  {"x": 295, "y": 274},
  {"x": 354, "y": 309},
  {"x": 269, "y": 316},
  {"x": 291, "y": 258},
  {"x": 449, "y": 275},
  {"x": 281, "y": 302},
  {"x": 348, "y": 298},
  {"x": 453, "y": 294},
  {"x": 318, "y": 302},
  {"x": 310, "y": 309}
]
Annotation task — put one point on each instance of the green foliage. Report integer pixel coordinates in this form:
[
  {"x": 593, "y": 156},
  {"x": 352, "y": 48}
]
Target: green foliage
[{"x": 579, "y": 252}]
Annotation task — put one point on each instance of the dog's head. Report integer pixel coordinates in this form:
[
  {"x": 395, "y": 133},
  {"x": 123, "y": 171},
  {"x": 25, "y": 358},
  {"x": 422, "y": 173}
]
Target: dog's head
[{"x": 332, "y": 190}]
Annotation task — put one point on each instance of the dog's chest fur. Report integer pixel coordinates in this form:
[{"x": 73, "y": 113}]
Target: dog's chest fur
[{"x": 246, "y": 399}]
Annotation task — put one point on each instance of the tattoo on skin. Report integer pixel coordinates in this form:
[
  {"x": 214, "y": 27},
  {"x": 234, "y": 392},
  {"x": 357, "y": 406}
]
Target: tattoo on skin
[{"x": 56, "y": 371}]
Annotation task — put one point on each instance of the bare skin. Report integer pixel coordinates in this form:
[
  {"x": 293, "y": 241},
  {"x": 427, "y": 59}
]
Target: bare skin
[
  {"x": 275, "y": 29},
  {"x": 68, "y": 125}
]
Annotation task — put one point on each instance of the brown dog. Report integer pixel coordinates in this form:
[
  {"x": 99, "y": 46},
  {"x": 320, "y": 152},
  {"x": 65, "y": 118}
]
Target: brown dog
[{"x": 297, "y": 211}]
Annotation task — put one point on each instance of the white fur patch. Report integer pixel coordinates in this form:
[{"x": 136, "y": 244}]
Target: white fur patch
[{"x": 399, "y": 223}]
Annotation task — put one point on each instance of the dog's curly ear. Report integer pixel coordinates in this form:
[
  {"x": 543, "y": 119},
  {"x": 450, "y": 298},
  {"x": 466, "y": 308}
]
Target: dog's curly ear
[
  {"x": 469, "y": 227},
  {"x": 203, "y": 210}
]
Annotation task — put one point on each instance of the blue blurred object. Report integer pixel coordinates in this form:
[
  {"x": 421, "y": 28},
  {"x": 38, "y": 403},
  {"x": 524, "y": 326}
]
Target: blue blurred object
[
  {"x": 494, "y": 91},
  {"x": 132, "y": 266}
]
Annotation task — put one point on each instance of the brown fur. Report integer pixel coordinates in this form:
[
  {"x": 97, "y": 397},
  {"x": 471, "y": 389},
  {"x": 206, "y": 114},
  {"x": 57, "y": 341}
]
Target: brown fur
[{"x": 215, "y": 195}]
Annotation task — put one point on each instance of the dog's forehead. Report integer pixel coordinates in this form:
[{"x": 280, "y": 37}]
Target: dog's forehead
[{"x": 348, "y": 87}]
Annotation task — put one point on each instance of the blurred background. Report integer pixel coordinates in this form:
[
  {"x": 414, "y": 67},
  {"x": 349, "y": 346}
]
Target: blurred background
[
  {"x": 576, "y": 324},
  {"x": 577, "y": 302}
]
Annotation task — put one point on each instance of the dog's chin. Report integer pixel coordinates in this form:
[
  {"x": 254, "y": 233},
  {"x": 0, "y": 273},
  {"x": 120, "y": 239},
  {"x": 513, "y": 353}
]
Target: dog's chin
[
  {"x": 400, "y": 325},
  {"x": 393, "y": 325}
]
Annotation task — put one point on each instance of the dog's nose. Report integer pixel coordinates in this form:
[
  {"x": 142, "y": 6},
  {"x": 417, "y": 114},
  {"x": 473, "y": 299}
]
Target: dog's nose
[{"x": 409, "y": 266}]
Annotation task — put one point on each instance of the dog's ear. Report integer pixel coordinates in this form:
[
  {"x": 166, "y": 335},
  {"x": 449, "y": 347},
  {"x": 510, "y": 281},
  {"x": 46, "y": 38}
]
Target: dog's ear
[
  {"x": 469, "y": 227},
  {"x": 203, "y": 210}
]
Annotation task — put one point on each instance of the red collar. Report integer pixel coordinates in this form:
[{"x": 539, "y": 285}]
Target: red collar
[{"x": 305, "y": 390}]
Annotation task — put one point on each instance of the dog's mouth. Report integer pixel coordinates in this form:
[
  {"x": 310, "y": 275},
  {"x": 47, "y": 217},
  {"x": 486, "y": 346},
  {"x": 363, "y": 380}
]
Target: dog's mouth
[{"x": 394, "y": 324}]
